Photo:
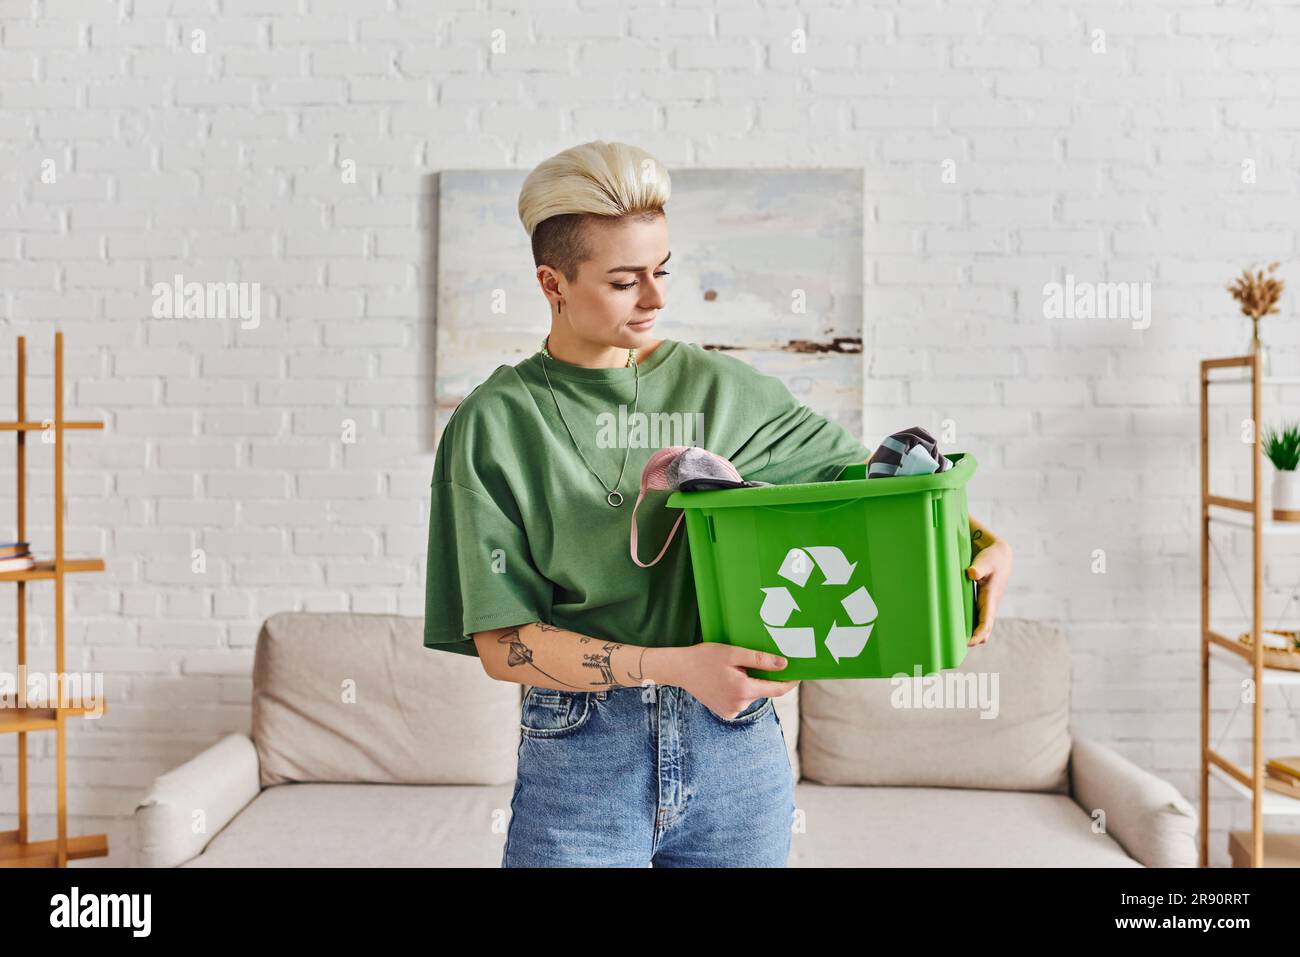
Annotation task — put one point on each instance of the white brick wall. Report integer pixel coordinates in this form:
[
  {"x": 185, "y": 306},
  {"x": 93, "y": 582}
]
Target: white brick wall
[{"x": 1123, "y": 165}]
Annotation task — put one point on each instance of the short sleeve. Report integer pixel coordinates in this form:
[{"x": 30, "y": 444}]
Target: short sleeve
[
  {"x": 801, "y": 445},
  {"x": 480, "y": 574}
]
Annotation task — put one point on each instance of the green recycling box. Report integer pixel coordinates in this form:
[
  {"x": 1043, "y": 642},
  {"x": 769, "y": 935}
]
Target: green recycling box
[{"x": 855, "y": 578}]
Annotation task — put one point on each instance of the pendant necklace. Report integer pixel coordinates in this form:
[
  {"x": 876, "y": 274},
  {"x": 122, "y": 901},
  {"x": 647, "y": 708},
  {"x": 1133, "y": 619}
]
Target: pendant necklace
[{"x": 615, "y": 497}]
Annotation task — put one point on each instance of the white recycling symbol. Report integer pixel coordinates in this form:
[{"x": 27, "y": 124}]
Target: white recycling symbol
[{"x": 842, "y": 641}]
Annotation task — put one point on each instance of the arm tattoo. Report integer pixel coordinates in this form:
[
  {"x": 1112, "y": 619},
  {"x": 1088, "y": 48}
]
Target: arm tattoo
[
  {"x": 519, "y": 653},
  {"x": 639, "y": 675},
  {"x": 600, "y": 661},
  {"x": 543, "y": 626}
]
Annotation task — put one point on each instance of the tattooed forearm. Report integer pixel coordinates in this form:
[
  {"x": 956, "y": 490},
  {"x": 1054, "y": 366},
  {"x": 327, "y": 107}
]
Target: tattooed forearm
[
  {"x": 543, "y": 626},
  {"x": 639, "y": 674},
  {"x": 600, "y": 661},
  {"x": 520, "y": 653}
]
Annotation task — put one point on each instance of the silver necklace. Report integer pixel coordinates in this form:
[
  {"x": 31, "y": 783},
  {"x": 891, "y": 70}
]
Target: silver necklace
[{"x": 615, "y": 497}]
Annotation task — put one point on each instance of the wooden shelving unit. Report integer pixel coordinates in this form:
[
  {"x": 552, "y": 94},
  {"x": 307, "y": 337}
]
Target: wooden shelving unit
[
  {"x": 1241, "y": 515},
  {"x": 35, "y": 716}
]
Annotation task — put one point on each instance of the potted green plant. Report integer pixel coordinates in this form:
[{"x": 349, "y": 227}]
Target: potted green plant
[{"x": 1283, "y": 450}]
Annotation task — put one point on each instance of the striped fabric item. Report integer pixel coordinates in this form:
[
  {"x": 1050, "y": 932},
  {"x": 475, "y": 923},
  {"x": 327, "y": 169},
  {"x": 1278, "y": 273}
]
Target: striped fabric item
[{"x": 909, "y": 452}]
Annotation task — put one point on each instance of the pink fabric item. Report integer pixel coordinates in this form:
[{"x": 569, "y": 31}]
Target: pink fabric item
[{"x": 654, "y": 477}]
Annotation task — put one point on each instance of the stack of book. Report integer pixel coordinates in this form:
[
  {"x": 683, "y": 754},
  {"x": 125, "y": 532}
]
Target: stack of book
[
  {"x": 1283, "y": 775},
  {"x": 14, "y": 557}
]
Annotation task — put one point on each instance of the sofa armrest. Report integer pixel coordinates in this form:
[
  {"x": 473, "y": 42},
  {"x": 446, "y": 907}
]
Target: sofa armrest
[
  {"x": 1146, "y": 814},
  {"x": 186, "y": 807}
]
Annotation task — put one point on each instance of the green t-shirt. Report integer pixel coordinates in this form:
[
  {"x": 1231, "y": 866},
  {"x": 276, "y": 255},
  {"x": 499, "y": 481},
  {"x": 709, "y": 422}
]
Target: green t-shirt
[{"x": 519, "y": 528}]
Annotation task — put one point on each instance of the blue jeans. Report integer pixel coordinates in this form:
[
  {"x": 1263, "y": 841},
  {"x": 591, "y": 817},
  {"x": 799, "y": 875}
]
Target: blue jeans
[{"x": 637, "y": 777}]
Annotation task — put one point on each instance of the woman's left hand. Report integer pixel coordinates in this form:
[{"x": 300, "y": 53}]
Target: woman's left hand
[{"x": 991, "y": 569}]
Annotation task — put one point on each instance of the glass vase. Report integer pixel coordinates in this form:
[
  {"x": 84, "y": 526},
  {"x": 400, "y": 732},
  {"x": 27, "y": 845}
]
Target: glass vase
[{"x": 1256, "y": 347}]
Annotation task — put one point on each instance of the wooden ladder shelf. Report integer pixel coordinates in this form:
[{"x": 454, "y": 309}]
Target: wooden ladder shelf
[{"x": 33, "y": 716}]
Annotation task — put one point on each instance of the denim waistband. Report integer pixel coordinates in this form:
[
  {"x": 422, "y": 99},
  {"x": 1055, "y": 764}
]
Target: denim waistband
[{"x": 641, "y": 689}]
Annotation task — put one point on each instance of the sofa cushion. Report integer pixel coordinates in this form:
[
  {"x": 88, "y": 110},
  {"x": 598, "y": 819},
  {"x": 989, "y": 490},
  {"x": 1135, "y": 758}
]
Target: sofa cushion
[
  {"x": 860, "y": 732},
  {"x": 365, "y": 825},
  {"x": 944, "y": 827},
  {"x": 378, "y": 825},
  {"x": 357, "y": 697}
]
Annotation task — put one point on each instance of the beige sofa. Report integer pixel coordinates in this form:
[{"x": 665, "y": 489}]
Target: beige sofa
[{"x": 368, "y": 749}]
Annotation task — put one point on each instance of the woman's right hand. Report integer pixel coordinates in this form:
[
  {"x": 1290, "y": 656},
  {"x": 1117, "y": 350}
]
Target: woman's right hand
[{"x": 715, "y": 674}]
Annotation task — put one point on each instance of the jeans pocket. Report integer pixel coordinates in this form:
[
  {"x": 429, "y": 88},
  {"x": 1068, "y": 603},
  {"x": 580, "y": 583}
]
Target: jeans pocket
[
  {"x": 755, "y": 710},
  {"x": 548, "y": 713}
]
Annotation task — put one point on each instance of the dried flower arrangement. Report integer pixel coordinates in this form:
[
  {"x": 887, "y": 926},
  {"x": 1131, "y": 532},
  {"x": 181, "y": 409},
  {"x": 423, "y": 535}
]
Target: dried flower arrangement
[{"x": 1258, "y": 297}]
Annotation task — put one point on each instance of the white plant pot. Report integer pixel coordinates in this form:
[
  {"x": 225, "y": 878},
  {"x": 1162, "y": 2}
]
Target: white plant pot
[{"x": 1286, "y": 496}]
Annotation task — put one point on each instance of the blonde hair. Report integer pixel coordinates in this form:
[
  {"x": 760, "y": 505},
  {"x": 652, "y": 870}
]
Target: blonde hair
[{"x": 611, "y": 180}]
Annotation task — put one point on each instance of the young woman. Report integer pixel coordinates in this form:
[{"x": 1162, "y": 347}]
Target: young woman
[{"x": 640, "y": 743}]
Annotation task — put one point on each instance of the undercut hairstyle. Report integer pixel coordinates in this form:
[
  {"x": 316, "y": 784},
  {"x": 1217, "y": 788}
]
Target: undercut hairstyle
[{"x": 597, "y": 179}]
